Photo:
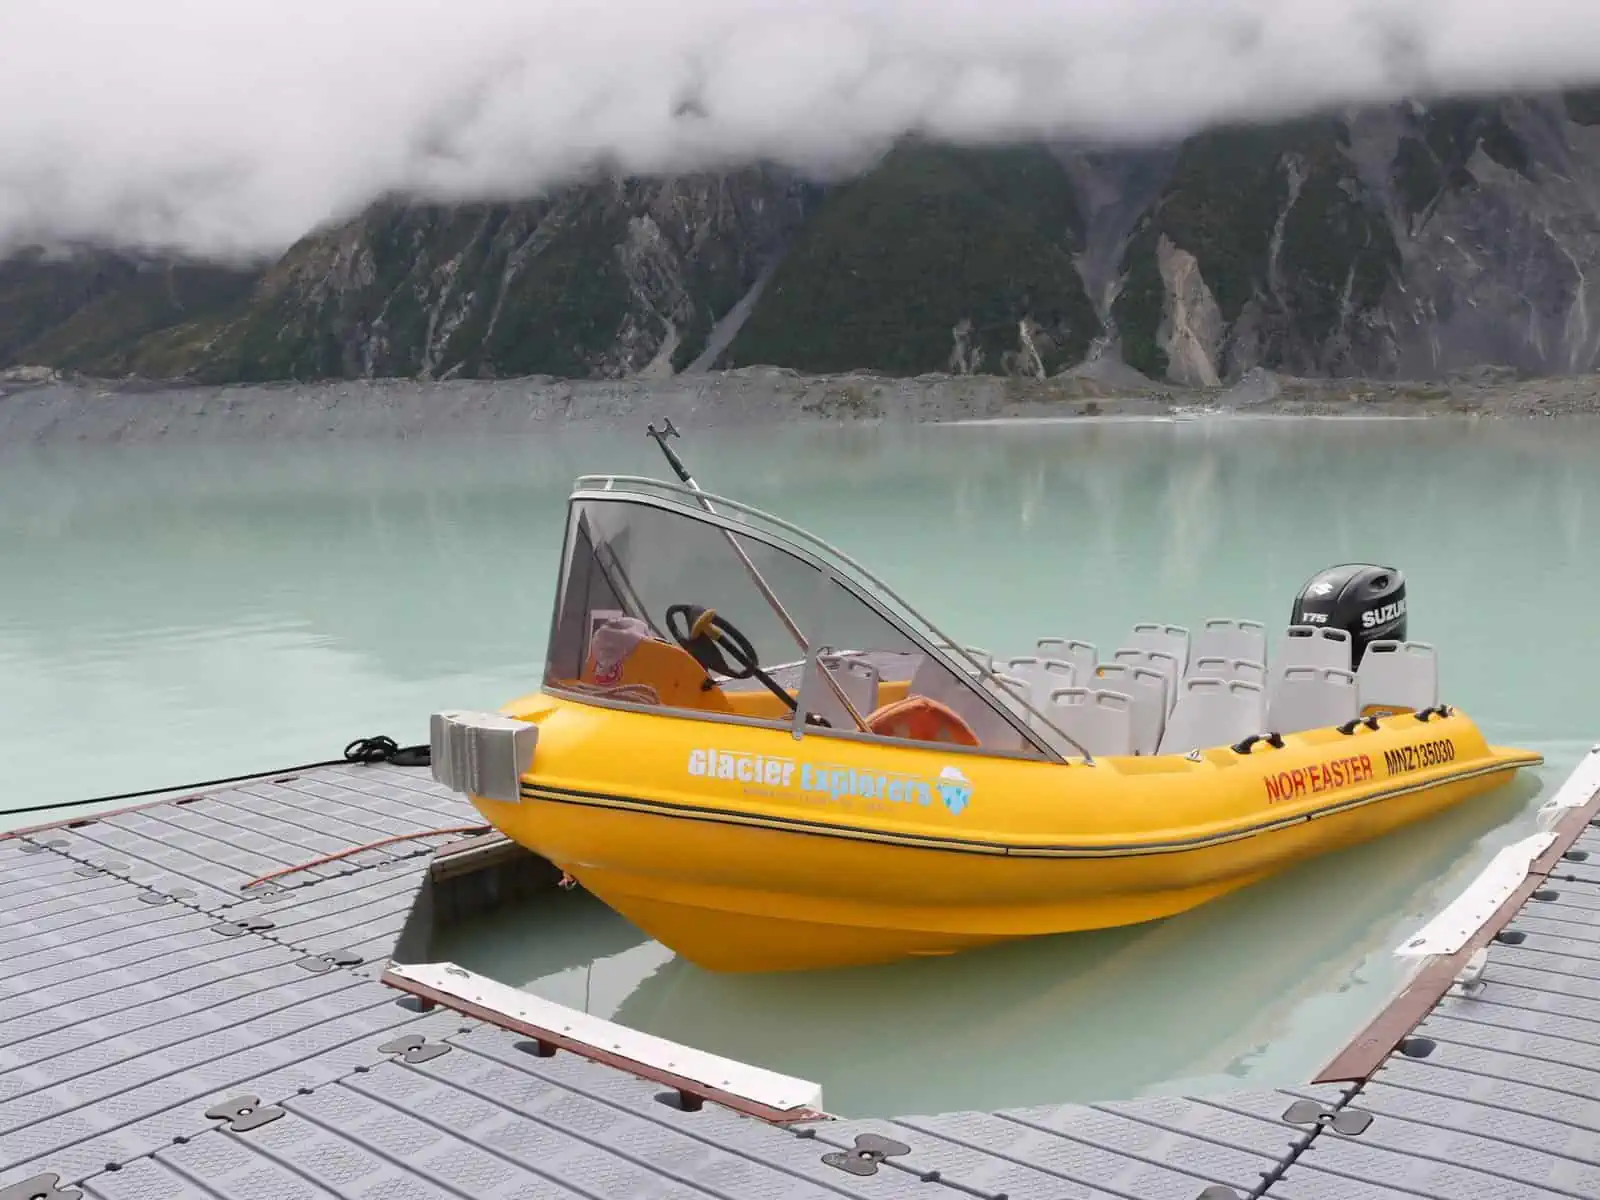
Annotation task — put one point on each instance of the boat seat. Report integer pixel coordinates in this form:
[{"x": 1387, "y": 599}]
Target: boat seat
[
  {"x": 1081, "y": 655},
  {"x": 1160, "y": 660},
  {"x": 1312, "y": 698},
  {"x": 1042, "y": 675},
  {"x": 856, "y": 677},
  {"x": 1098, "y": 719},
  {"x": 1014, "y": 686},
  {"x": 982, "y": 655},
  {"x": 1018, "y": 668},
  {"x": 1054, "y": 673},
  {"x": 665, "y": 668},
  {"x": 1172, "y": 639},
  {"x": 1230, "y": 637},
  {"x": 1309, "y": 646},
  {"x": 1312, "y": 646},
  {"x": 978, "y": 652},
  {"x": 1214, "y": 712},
  {"x": 1146, "y": 689},
  {"x": 1220, "y": 667},
  {"x": 933, "y": 680},
  {"x": 1398, "y": 675}
]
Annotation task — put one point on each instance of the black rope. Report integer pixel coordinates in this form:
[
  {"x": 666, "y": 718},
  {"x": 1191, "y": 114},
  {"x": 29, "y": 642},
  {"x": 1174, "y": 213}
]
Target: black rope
[
  {"x": 386, "y": 749},
  {"x": 363, "y": 750}
]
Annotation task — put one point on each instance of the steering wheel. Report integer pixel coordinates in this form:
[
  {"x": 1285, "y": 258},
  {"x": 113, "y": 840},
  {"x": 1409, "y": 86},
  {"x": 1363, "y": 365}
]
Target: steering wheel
[
  {"x": 704, "y": 634},
  {"x": 699, "y": 630}
]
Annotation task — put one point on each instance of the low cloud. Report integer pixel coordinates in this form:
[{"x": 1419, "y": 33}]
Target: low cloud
[{"x": 231, "y": 127}]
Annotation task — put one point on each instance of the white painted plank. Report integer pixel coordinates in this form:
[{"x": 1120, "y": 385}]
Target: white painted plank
[{"x": 756, "y": 1084}]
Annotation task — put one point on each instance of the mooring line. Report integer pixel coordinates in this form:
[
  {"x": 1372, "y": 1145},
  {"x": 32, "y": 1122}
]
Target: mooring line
[{"x": 363, "y": 750}]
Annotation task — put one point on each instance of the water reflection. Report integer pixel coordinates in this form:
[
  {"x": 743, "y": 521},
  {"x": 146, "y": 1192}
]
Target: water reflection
[
  {"x": 409, "y": 574},
  {"x": 210, "y": 610},
  {"x": 1261, "y": 986}
]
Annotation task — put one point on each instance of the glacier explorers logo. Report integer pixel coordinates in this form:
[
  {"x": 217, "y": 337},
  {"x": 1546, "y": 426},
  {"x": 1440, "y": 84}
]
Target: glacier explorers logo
[
  {"x": 950, "y": 785},
  {"x": 955, "y": 789},
  {"x": 839, "y": 784}
]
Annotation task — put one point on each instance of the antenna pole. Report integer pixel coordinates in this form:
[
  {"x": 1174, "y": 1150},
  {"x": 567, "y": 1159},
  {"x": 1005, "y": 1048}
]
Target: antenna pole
[{"x": 660, "y": 436}]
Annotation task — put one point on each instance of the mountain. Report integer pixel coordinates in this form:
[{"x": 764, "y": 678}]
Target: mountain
[
  {"x": 101, "y": 311},
  {"x": 1409, "y": 241}
]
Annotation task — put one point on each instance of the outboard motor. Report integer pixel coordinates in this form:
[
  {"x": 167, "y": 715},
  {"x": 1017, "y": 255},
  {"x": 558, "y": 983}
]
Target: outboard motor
[{"x": 1368, "y": 602}]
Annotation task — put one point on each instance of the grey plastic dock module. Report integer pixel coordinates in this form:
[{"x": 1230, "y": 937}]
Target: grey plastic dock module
[{"x": 166, "y": 1034}]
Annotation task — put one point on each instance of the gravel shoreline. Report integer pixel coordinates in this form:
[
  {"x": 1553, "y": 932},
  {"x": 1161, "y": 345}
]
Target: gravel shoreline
[{"x": 40, "y": 410}]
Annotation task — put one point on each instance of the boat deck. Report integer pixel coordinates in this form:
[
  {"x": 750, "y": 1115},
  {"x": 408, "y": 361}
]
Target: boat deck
[{"x": 165, "y": 1033}]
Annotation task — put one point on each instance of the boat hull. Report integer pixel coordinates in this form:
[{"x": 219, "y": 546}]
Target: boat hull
[{"x": 794, "y": 876}]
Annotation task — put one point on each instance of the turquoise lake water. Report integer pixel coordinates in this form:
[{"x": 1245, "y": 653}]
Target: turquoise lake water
[{"x": 170, "y": 614}]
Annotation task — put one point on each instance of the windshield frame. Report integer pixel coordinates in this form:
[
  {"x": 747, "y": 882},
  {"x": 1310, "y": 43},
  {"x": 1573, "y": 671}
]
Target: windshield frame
[{"x": 865, "y": 587}]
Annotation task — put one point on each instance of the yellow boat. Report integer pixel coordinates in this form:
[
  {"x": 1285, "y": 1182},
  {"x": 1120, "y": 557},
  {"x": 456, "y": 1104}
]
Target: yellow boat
[{"x": 754, "y": 750}]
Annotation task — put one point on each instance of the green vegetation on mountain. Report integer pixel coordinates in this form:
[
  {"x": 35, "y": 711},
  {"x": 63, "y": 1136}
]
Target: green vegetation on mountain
[
  {"x": 893, "y": 262},
  {"x": 92, "y": 311},
  {"x": 716, "y": 283},
  {"x": 1220, "y": 205},
  {"x": 587, "y": 281},
  {"x": 1224, "y": 202},
  {"x": 424, "y": 289},
  {"x": 1337, "y": 257},
  {"x": 1433, "y": 160}
]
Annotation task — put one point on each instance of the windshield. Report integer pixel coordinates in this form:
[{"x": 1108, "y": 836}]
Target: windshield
[{"x": 662, "y": 606}]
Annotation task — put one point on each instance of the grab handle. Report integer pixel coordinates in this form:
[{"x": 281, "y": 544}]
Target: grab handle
[
  {"x": 1349, "y": 727},
  {"x": 1275, "y": 740}
]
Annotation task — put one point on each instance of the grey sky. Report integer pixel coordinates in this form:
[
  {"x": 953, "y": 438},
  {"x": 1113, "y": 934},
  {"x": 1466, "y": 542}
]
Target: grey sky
[{"x": 237, "y": 125}]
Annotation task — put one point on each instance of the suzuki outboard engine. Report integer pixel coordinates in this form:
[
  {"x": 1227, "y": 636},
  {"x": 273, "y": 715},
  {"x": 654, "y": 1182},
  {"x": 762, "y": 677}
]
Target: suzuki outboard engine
[{"x": 1366, "y": 601}]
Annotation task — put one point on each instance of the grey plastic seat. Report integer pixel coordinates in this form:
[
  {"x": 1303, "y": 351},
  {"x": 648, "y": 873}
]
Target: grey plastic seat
[
  {"x": 1171, "y": 639},
  {"x": 1082, "y": 655},
  {"x": 859, "y": 679},
  {"x": 1018, "y": 693},
  {"x": 1161, "y": 660},
  {"x": 1056, "y": 673},
  {"x": 1219, "y": 667},
  {"x": 856, "y": 677},
  {"x": 1312, "y": 698},
  {"x": 932, "y": 680},
  {"x": 1214, "y": 712},
  {"x": 1020, "y": 676},
  {"x": 978, "y": 652},
  {"x": 1309, "y": 646},
  {"x": 1399, "y": 675},
  {"x": 1014, "y": 686},
  {"x": 1146, "y": 689},
  {"x": 1312, "y": 646},
  {"x": 1098, "y": 719},
  {"x": 1230, "y": 637},
  {"x": 1042, "y": 675},
  {"x": 1025, "y": 667}
]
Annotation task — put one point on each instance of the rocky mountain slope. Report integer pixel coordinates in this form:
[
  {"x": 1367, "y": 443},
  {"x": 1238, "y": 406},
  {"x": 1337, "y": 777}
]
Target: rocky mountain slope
[{"x": 1402, "y": 242}]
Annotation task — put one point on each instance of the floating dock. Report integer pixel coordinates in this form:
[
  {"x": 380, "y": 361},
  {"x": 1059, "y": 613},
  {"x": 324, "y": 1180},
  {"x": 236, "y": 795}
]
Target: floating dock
[{"x": 171, "y": 1028}]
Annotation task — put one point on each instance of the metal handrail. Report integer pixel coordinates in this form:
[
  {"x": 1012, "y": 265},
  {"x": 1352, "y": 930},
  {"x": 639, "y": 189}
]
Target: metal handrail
[{"x": 599, "y": 486}]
